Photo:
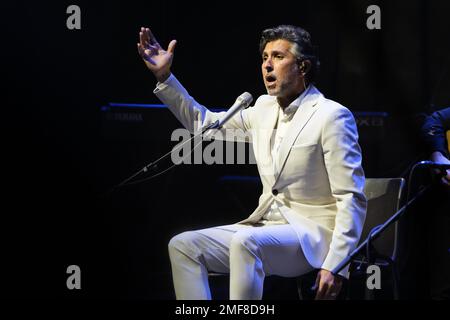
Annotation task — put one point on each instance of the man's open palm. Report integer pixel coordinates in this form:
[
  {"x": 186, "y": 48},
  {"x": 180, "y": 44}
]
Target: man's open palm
[{"x": 155, "y": 57}]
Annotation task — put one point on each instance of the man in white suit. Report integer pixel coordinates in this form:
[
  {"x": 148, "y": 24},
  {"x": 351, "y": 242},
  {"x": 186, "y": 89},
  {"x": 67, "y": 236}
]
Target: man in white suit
[{"x": 312, "y": 209}]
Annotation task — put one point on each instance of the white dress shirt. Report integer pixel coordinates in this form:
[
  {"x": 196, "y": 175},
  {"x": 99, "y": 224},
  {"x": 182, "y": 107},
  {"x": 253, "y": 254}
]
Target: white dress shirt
[{"x": 273, "y": 214}]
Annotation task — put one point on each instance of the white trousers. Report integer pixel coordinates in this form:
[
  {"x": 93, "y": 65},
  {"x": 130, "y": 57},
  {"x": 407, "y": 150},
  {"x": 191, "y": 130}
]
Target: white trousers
[{"x": 248, "y": 253}]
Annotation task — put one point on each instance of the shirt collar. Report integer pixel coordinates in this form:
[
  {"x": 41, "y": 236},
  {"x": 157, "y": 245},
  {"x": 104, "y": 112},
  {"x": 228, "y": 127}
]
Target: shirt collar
[{"x": 292, "y": 108}]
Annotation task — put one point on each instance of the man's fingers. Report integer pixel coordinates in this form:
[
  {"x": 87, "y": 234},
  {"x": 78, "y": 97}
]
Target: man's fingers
[
  {"x": 142, "y": 40},
  {"x": 142, "y": 51},
  {"x": 321, "y": 288},
  {"x": 149, "y": 35},
  {"x": 316, "y": 284},
  {"x": 147, "y": 50},
  {"x": 144, "y": 55},
  {"x": 145, "y": 36},
  {"x": 320, "y": 294},
  {"x": 139, "y": 47},
  {"x": 332, "y": 292},
  {"x": 171, "y": 47},
  {"x": 148, "y": 40},
  {"x": 151, "y": 38}
]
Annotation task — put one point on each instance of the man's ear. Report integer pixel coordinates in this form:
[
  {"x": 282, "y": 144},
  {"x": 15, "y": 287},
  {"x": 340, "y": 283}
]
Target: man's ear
[{"x": 304, "y": 67}]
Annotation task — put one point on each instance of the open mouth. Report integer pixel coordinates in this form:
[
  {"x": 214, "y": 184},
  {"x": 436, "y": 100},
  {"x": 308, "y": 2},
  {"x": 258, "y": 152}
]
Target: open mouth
[{"x": 270, "y": 80}]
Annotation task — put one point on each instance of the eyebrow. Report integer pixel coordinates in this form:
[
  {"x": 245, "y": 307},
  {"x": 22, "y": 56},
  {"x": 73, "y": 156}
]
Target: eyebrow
[{"x": 274, "y": 52}]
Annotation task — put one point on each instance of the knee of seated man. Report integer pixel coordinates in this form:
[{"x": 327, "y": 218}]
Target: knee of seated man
[{"x": 185, "y": 241}]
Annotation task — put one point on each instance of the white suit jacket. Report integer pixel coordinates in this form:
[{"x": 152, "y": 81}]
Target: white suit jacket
[{"x": 320, "y": 180}]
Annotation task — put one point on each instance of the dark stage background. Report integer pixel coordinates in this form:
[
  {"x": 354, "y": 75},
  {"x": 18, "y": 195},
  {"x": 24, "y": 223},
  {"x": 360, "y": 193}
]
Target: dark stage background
[{"x": 62, "y": 150}]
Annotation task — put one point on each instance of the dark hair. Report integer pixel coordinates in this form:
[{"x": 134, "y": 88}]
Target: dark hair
[{"x": 303, "y": 48}]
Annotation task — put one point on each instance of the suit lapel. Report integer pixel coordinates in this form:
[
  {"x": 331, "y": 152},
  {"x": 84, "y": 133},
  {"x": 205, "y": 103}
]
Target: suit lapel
[
  {"x": 305, "y": 111},
  {"x": 267, "y": 130}
]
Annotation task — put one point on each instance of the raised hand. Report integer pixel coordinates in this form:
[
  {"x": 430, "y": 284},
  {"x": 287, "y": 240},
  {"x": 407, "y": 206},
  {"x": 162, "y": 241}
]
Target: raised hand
[{"x": 155, "y": 57}]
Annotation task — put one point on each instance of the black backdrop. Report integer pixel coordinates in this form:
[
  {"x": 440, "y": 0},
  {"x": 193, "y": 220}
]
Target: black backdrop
[{"x": 57, "y": 159}]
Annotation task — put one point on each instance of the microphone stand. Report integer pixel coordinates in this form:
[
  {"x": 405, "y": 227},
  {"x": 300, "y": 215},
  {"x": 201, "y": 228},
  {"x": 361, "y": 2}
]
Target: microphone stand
[
  {"x": 153, "y": 165},
  {"x": 242, "y": 101},
  {"x": 377, "y": 231}
]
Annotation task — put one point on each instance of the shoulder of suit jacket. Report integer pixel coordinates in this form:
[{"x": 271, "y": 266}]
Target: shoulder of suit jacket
[{"x": 264, "y": 100}]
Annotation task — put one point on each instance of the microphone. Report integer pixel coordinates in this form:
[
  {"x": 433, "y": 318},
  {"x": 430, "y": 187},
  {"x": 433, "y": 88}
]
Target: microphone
[
  {"x": 437, "y": 165},
  {"x": 242, "y": 102}
]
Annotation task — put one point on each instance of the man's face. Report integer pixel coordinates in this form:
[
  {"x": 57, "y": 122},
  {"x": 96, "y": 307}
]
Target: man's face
[{"x": 280, "y": 69}]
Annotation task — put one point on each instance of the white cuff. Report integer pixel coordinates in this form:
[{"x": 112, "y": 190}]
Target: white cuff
[
  {"x": 332, "y": 261},
  {"x": 162, "y": 85}
]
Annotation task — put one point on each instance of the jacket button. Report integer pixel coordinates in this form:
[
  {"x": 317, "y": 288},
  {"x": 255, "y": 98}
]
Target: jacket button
[{"x": 274, "y": 192}]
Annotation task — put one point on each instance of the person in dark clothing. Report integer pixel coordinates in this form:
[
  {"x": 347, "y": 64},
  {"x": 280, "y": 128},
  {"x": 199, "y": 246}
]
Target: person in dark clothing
[
  {"x": 436, "y": 142},
  {"x": 435, "y": 133}
]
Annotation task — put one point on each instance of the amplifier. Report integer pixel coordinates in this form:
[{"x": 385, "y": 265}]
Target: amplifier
[{"x": 140, "y": 122}]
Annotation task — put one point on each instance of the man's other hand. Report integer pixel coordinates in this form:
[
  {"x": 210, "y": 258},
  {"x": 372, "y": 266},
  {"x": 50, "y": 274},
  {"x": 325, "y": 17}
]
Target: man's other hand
[{"x": 327, "y": 285}]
